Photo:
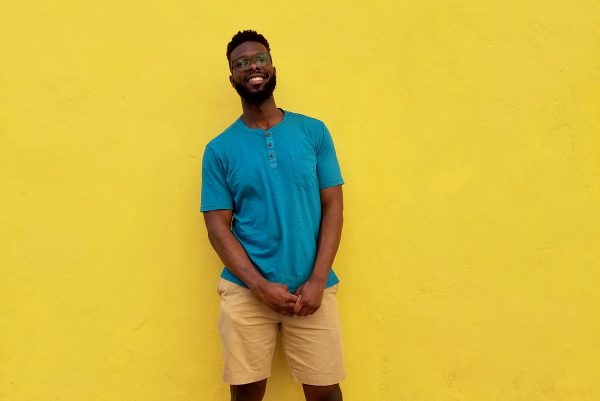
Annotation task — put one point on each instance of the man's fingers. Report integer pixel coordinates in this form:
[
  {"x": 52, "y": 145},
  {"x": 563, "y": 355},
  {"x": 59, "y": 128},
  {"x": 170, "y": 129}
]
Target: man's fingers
[
  {"x": 298, "y": 305},
  {"x": 304, "y": 310},
  {"x": 284, "y": 310},
  {"x": 307, "y": 310},
  {"x": 292, "y": 298}
]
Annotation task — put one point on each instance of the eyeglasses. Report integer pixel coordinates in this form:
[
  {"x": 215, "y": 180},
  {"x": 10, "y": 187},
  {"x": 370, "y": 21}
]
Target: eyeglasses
[{"x": 242, "y": 63}]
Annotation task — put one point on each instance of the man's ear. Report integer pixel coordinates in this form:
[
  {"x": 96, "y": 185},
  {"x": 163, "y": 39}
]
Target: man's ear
[{"x": 231, "y": 81}]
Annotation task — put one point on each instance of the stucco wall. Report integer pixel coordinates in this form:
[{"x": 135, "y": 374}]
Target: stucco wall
[{"x": 468, "y": 135}]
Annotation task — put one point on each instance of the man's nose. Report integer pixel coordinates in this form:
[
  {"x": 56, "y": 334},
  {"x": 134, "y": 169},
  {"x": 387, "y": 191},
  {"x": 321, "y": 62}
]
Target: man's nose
[{"x": 252, "y": 65}]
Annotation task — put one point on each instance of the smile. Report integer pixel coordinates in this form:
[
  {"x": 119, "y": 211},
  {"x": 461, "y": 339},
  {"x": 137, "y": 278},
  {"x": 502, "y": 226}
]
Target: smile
[{"x": 256, "y": 80}]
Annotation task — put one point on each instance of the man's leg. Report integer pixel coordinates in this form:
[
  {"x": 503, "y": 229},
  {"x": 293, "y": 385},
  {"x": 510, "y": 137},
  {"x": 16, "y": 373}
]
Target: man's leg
[
  {"x": 249, "y": 392},
  {"x": 322, "y": 393},
  {"x": 248, "y": 330},
  {"x": 314, "y": 348}
]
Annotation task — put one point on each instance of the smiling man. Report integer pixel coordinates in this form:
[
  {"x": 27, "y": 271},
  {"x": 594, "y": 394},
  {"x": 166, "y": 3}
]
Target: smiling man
[{"x": 272, "y": 204}]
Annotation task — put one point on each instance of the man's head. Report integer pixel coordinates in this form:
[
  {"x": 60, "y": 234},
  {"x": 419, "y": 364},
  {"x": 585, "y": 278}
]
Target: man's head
[{"x": 251, "y": 66}]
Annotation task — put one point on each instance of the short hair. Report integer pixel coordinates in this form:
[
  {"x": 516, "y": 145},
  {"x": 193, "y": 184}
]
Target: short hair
[{"x": 245, "y": 36}]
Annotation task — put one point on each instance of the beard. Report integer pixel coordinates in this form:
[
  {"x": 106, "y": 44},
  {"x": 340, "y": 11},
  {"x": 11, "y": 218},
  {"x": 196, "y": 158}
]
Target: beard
[{"x": 258, "y": 97}]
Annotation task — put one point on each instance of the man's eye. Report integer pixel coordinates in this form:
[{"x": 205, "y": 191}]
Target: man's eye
[{"x": 240, "y": 63}]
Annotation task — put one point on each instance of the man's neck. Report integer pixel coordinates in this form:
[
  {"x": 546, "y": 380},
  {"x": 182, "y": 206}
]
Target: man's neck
[{"x": 262, "y": 116}]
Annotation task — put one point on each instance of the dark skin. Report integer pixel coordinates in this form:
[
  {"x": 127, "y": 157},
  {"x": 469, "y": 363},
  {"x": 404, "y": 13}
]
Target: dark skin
[
  {"x": 264, "y": 115},
  {"x": 307, "y": 298}
]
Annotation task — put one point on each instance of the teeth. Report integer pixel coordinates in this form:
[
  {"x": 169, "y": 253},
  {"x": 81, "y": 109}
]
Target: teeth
[{"x": 256, "y": 79}]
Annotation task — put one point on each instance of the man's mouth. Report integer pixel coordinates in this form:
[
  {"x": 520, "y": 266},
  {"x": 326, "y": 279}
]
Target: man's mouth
[{"x": 257, "y": 79}]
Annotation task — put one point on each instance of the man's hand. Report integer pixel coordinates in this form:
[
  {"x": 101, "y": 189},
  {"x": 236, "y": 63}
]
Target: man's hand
[
  {"x": 310, "y": 295},
  {"x": 276, "y": 297}
]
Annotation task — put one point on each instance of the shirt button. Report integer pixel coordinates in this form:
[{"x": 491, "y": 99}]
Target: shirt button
[
  {"x": 268, "y": 134},
  {"x": 269, "y": 145}
]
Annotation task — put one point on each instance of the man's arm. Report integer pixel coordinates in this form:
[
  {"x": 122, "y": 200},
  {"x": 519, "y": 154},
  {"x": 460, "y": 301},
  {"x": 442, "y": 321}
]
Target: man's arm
[
  {"x": 330, "y": 233},
  {"x": 233, "y": 255}
]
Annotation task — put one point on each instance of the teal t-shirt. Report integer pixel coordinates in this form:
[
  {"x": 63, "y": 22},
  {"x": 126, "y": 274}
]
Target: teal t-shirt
[{"x": 271, "y": 179}]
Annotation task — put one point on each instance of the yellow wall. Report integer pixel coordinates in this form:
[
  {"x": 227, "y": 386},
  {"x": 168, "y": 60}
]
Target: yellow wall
[{"x": 468, "y": 134}]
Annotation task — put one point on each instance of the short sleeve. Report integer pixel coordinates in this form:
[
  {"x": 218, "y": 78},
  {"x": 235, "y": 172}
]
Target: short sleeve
[
  {"x": 215, "y": 192},
  {"x": 328, "y": 168}
]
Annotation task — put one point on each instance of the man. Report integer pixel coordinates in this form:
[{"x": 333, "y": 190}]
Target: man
[{"x": 272, "y": 204}]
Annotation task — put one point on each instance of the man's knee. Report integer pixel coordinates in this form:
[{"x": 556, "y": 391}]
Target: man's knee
[
  {"x": 322, "y": 393},
  {"x": 248, "y": 392}
]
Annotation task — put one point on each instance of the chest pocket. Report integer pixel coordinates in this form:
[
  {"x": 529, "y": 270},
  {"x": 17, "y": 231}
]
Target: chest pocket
[{"x": 305, "y": 170}]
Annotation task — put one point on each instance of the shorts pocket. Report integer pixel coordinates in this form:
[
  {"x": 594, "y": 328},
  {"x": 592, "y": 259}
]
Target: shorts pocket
[
  {"x": 333, "y": 289},
  {"x": 305, "y": 170},
  {"x": 220, "y": 289}
]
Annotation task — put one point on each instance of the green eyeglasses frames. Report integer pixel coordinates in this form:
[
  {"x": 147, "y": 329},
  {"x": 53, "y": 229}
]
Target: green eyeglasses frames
[{"x": 242, "y": 63}]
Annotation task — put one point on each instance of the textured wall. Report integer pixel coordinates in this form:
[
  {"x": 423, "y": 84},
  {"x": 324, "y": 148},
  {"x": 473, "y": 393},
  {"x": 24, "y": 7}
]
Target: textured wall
[{"x": 468, "y": 134}]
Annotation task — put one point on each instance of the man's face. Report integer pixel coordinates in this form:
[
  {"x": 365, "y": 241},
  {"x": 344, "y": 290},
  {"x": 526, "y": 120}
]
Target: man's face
[{"x": 256, "y": 83}]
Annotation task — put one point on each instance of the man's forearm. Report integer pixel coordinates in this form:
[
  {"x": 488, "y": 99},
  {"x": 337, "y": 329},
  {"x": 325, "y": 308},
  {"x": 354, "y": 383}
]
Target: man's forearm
[
  {"x": 234, "y": 256},
  {"x": 231, "y": 252},
  {"x": 330, "y": 235}
]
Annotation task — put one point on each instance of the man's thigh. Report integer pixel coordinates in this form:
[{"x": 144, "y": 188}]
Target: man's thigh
[
  {"x": 313, "y": 344},
  {"x": 248, "y": 332}
]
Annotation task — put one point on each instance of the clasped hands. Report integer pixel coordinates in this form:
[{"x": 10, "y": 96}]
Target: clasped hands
[{"x": 305, "y": 301}]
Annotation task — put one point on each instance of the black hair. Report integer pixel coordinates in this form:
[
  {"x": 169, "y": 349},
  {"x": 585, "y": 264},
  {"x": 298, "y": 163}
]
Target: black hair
[{"x": 245, "y": 36}]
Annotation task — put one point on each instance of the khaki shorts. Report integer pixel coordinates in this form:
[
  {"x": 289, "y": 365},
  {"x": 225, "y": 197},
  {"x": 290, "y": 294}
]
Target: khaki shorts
[{"x": 249, "y": 329}]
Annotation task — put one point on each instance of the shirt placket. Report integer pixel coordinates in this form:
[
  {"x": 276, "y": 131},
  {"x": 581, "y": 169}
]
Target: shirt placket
[{"x": 271, "y": 154}]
